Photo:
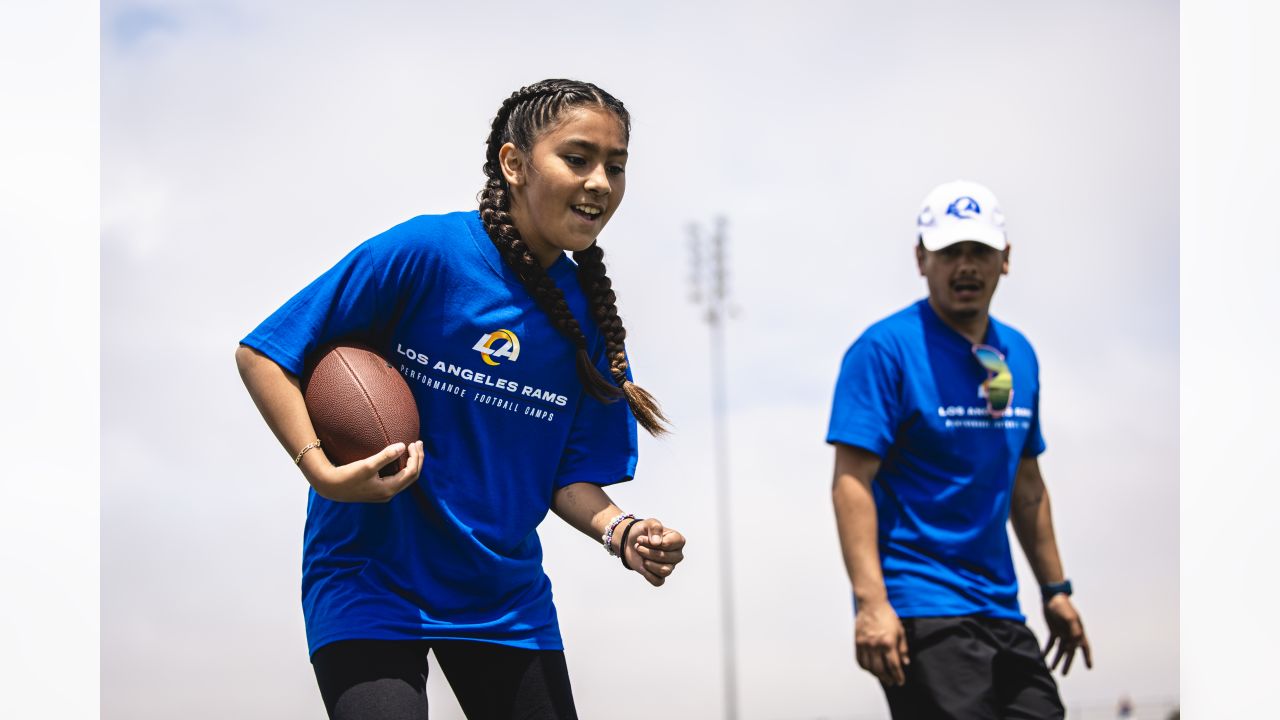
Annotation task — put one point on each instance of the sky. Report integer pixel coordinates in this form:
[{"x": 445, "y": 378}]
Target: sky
[{"x": 245, "y": 147}]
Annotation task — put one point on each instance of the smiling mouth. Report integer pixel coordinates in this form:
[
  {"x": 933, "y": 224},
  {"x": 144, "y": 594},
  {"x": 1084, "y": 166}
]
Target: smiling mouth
[{"x": 589, "y": 213}]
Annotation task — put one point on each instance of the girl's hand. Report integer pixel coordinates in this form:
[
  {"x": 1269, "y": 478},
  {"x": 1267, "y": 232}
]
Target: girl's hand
[
  {"x": 359, "y": 481},
  {"x": 653, "y": 550}
]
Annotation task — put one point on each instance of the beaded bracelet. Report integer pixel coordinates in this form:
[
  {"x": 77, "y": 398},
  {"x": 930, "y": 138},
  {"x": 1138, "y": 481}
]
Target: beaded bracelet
[
  {"x": 607, "y": 538},
  {"x": 622, "y": 546}
]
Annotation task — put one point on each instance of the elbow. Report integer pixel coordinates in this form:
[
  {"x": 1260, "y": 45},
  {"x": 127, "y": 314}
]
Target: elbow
[
  {"x": 837, "y": 492},
  {"x": 1025, "y": 511},
  {"x": 1028, "y": 496},
  {"x": 841, "y": 496},
  {"x": 844, "y": 493}
]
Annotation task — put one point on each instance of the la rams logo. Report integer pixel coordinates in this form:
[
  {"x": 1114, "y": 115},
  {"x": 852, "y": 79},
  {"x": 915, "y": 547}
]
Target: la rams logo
[
  {"x": 964, "y": 207},
  {"x": 498, "y": 344}
]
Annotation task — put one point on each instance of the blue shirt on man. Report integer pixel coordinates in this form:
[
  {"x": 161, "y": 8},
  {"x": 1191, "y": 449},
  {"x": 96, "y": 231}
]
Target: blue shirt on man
[
  {"x": 911, "y": 391},
  {"x": 504, "y": 423}
]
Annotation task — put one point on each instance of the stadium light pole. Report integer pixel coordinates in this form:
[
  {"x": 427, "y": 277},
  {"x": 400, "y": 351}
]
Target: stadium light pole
[{"x": 710, "y": 289}]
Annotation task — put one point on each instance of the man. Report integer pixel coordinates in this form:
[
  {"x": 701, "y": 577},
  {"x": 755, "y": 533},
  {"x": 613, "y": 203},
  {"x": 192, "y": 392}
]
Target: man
[{"x": 936, "y": 425}]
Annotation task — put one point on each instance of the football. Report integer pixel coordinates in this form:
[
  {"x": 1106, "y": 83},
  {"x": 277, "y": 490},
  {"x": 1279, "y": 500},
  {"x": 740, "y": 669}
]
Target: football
[{"x": 359, "y": 404}]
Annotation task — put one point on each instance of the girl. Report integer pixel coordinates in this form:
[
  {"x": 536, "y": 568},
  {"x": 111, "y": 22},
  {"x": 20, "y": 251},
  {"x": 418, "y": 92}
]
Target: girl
[{"x": 516, "y": 358}]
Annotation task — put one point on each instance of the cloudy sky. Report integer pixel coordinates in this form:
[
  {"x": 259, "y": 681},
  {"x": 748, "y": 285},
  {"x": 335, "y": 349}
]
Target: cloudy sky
[{"x": 247, "y": 146}]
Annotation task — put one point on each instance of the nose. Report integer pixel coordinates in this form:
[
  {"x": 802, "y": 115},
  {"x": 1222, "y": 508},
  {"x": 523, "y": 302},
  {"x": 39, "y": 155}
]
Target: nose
[
  {"x": 597, "y": 181},
  {"x": 970, "y": 255}
]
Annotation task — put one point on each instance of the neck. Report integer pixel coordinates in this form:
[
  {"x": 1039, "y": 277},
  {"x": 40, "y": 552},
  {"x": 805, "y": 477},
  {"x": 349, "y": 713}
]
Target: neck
[
  {"x": 543, "y": 252},
  {"x": 972, "y": 327}
]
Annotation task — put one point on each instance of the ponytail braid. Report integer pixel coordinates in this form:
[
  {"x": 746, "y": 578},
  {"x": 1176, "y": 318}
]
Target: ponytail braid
[{"x": 522, "y": 116}]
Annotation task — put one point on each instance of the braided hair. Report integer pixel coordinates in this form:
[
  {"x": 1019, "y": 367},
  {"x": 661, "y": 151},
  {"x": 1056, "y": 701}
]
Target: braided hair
[{"x": 519, "y": 121}]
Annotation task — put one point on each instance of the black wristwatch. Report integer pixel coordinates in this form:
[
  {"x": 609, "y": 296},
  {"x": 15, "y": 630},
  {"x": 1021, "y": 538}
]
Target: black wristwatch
[{"x": 1051, "y": 589}]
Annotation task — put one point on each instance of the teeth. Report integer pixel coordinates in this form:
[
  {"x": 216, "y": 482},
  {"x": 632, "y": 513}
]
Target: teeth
[{"x": 587, "y": 209}]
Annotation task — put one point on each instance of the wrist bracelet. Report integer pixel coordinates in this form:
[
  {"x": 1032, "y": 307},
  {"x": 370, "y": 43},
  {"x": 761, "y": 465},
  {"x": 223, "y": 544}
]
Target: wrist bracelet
[
  {"x": 607, "y": 538},
  {"x": 622, "y": 544},
  {"x": 1048, "y": 590},
  {"x": 310, "y": 446}
]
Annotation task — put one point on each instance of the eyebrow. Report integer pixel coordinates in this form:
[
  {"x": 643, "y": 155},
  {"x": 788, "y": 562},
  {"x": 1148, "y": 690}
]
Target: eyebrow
[{"x": 592, "y": 147}]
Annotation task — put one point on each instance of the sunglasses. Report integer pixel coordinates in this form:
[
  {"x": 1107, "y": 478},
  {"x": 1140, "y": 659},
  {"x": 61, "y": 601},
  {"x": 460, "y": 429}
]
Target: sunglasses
[{"x": 999, "y": 382}]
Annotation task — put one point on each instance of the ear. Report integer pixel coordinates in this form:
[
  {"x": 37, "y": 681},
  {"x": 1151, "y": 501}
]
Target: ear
[
  {"x": 920, "y": 257},
  {"x": 1004, "y": 266},
  {"x": 512, "y": 162}
]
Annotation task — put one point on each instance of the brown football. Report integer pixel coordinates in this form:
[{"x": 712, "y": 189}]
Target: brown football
[{"x": 359, "y": 404}]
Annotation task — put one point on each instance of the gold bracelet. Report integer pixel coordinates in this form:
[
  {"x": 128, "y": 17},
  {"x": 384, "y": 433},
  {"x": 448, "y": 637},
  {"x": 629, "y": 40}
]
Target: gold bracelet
[{"x": 310, "y": 446}]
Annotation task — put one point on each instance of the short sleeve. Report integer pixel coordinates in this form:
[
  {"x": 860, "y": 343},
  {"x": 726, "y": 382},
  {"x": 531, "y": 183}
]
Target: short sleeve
[
  {"x": 1035, "y": 441},
  {"x": 346, "y": 301},
  {"x": 602, "y": 447},
  {"x": 865, "y": 410}
]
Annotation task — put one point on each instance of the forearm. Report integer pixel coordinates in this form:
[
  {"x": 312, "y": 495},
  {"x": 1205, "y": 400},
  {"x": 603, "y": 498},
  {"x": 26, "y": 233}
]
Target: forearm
[
  {"x": 586, "y": 507},
  {"x": 278, "y": 397},
  {"x": 857, "y": 526},
  {"x": 1032, "y": 520}
]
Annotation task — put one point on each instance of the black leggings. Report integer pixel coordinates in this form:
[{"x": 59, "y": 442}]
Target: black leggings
[{"x": 387, "y": 680}]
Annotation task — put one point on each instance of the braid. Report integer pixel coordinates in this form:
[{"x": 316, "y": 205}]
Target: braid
[
  {"x": 522, "y": 116},
  {"x": 603, "y": 302}
]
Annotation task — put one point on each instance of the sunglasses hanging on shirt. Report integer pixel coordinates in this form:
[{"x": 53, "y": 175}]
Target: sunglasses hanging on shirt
[{"x": 998, "y": 387}]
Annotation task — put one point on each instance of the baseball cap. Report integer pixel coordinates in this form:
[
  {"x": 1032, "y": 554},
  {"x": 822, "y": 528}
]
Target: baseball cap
[{"x": 961, "y": 210}]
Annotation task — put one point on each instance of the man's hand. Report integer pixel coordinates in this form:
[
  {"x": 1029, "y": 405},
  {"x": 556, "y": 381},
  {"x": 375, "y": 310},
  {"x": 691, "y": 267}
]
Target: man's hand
[
  {"x": 880, "y": 642},
  {"x": 653, "y": 550},
  {"x": 1067, "y": 631}
]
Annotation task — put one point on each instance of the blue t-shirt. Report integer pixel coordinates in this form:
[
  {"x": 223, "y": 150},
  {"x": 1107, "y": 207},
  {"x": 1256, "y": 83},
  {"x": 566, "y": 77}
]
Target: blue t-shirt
[
  {"x": 504, "y": 423},
  {"x": 910, "y": 391}
]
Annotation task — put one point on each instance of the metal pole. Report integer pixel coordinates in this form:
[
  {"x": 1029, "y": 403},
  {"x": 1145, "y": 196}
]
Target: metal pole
[{"x": 717, "y": 307}]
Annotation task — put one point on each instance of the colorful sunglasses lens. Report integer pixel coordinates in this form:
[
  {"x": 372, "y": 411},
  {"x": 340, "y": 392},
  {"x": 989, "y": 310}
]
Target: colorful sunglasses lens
[
  {"x": 999, "y": 386},
  {"x": 1000, "y": 391},
  {"x": 990, "y": 359}
]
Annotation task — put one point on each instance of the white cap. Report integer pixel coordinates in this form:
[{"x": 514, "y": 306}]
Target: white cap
[{"x": 961, "y": 210}]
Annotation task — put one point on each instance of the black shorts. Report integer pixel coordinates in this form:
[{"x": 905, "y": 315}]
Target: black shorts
[
  {"x": 973, "y": 668},
  {"x": 387, "y": 680}
]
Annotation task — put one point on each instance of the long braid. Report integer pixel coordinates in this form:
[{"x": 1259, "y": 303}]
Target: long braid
[
  {"x": 599, "y": 290},
  {"x": 522, "y": 116}
]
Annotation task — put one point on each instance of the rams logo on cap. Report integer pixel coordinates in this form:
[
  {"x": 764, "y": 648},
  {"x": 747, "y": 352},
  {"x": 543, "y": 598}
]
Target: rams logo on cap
[{"x": 964, "y": 207}]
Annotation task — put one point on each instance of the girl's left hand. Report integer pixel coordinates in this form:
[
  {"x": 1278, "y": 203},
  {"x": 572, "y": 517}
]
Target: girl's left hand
[{"x": 653, "y": 550}]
